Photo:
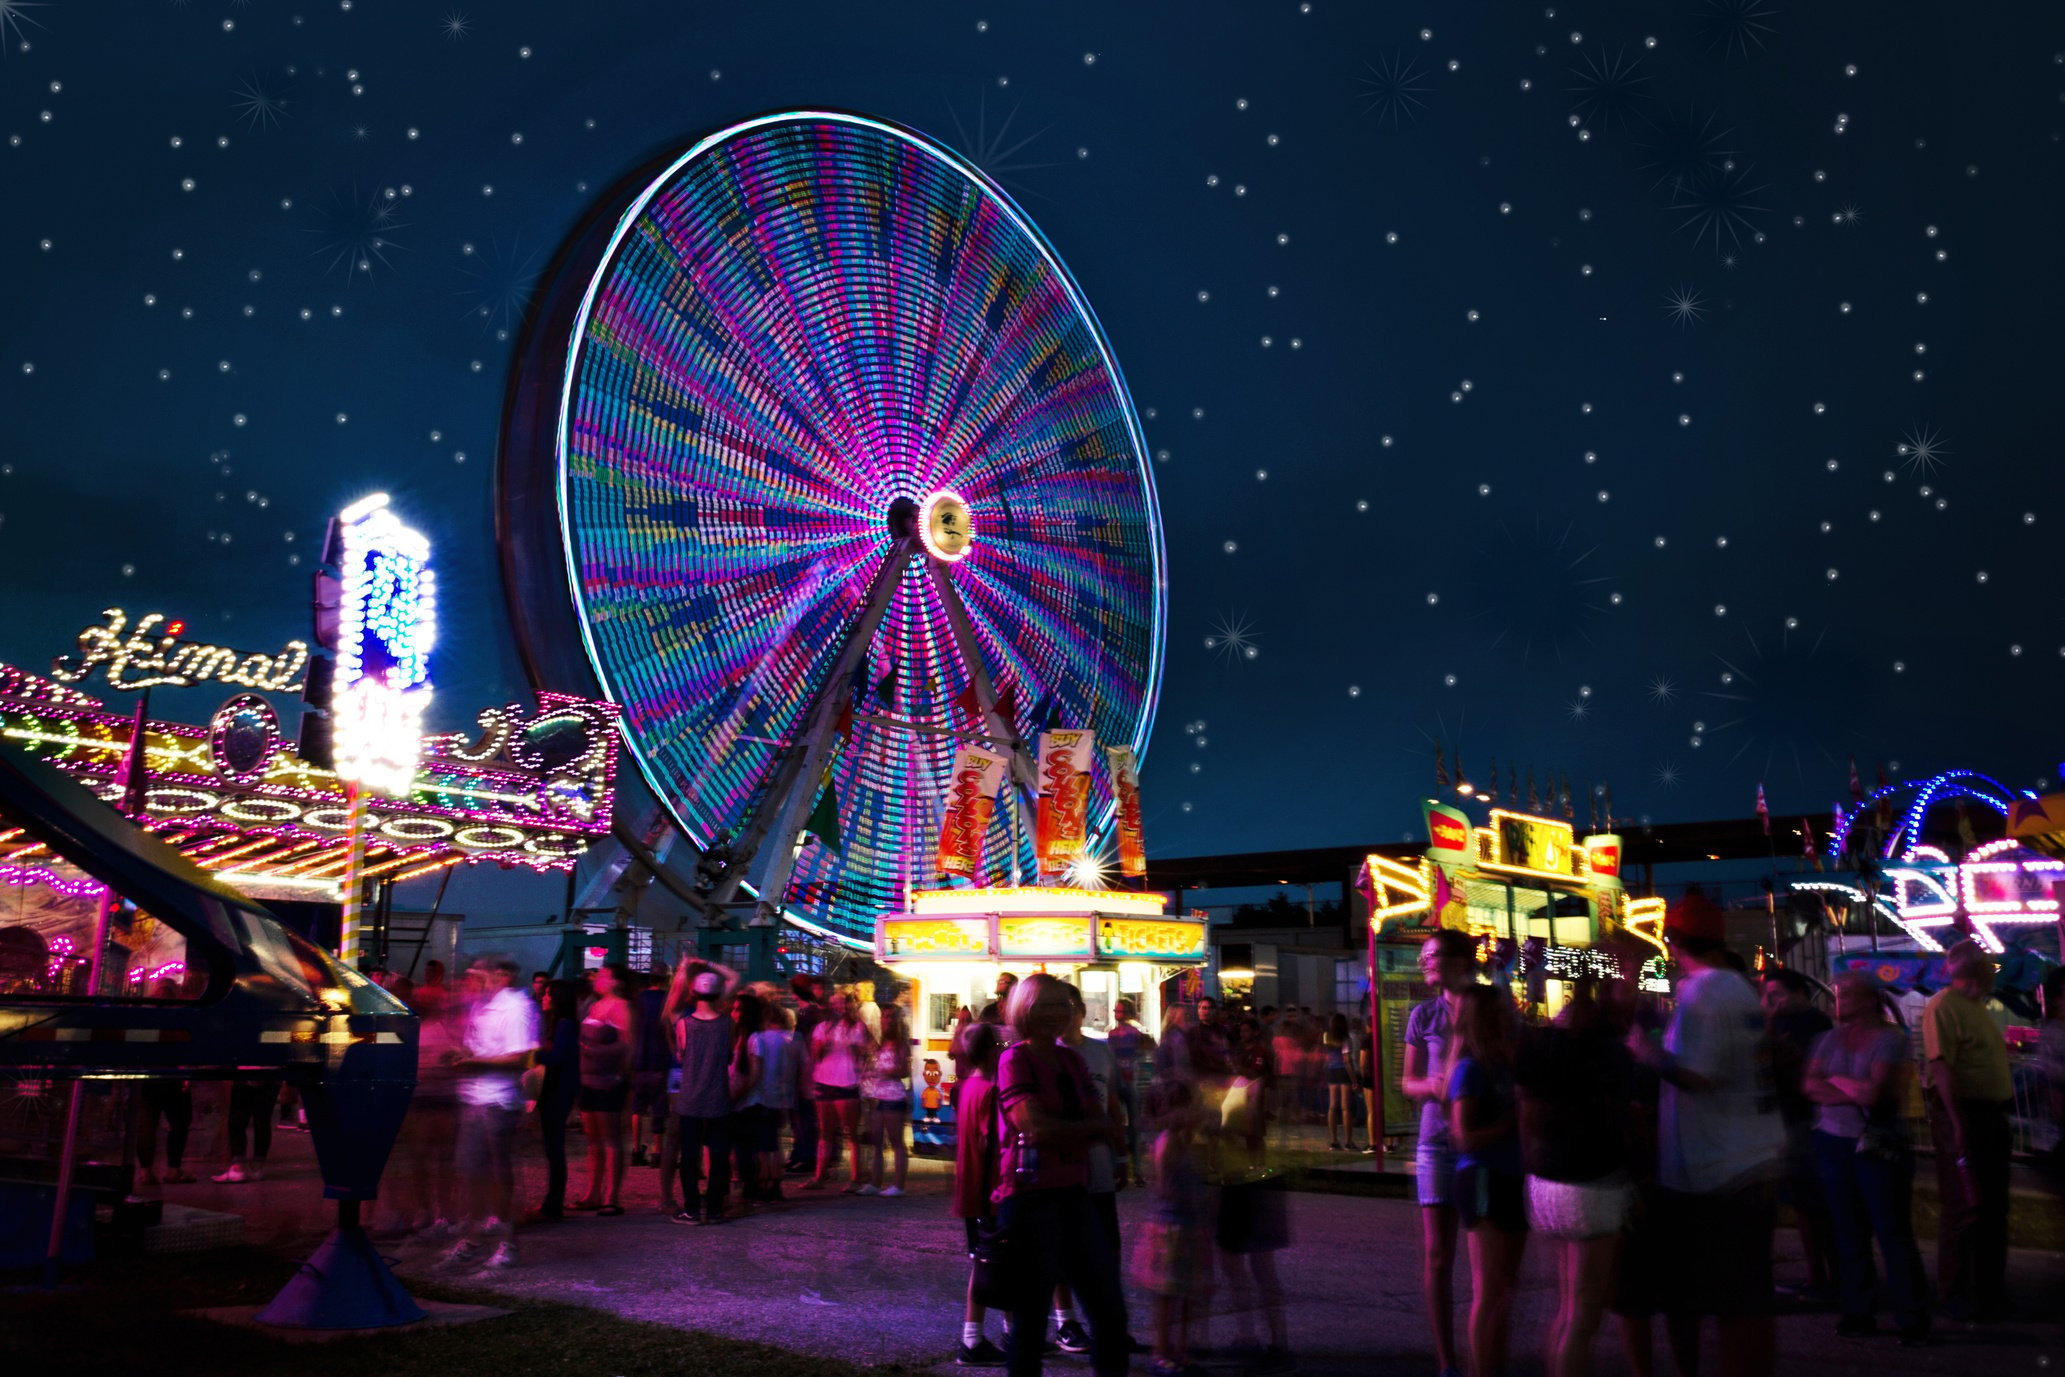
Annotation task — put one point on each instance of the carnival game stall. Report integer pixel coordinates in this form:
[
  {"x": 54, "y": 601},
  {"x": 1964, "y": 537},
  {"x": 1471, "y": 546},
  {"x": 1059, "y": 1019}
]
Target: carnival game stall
[{"x": 1544, "y": 905}]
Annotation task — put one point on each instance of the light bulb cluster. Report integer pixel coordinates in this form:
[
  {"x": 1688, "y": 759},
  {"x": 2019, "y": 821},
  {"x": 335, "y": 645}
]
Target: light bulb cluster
[{"x": 497, "y": 797}]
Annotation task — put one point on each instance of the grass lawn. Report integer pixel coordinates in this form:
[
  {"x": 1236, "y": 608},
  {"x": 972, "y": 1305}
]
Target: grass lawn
[{"x": 121, "y": 1317}]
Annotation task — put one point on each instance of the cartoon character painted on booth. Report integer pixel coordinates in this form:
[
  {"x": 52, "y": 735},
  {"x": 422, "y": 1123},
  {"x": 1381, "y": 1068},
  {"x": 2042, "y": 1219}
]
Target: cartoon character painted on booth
[{"x": 933, "y": 1095}]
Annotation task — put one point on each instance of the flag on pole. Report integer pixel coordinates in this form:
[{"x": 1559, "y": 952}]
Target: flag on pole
[
  {"x": 823, "y": 822},
  {"x": 1856, "y": 784},
  {"x": 135, "y": 779},
  {"x": 1808, "y": 851},
  {"x": 1440, "y": 767},
  {"x": 1763, "y": 809}
]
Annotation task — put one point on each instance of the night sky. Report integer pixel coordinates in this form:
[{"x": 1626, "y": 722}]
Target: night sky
[{"x": 1664, "y": 395}]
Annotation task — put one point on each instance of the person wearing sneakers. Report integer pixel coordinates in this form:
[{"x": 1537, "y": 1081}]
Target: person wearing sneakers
[
  {"x": 887, "y": 1090},
  {"x": 703, "y": 1038},
  {"x": 250, "y": 1119},
  {"x": 1050, "y": 1117},
  {"x": 975, "y": 1175},
  {"x": 501, "y": 1035}
]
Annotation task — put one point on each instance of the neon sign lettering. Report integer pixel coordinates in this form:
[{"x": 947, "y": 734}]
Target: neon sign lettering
[
  {"x": 388, "y": 626},
  {"x": 150, "y": 657}
]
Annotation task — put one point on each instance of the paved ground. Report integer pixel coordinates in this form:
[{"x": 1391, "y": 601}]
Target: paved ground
[{"x": 880, "y": 1281}]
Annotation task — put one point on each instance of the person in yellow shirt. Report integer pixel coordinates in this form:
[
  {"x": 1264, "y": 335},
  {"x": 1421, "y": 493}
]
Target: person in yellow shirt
[{"x": 1970, "y": 1094}]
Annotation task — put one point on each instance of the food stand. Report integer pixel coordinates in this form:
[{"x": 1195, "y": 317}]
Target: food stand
[
  {"x": 952, "y": 944},
  {"x": 1541, "y": 902}
]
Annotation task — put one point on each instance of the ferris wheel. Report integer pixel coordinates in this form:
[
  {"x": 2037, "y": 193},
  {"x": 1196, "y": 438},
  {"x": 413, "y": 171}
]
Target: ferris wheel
[{"x": 842, "y": 473}]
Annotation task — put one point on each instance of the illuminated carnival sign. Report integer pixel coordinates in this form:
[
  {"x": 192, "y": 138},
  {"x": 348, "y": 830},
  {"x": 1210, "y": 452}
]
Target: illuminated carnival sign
[
  {"x": 1038, "y": 899},
  {"x": 933, "y": 939},
  {"x": 1528, "y": 845},
  {"x": 1999, "y": 885},
  {"x": 387, "y": 626},
  {"x": 1045, "y": 938},
  {"x": 1139, "y": 939},
  {"x": 151, "y": 654}
]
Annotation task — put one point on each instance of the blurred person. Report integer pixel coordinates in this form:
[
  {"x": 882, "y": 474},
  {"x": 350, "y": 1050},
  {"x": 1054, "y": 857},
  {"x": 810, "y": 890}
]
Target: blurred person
[
  {"x": 172, "y": 1101},
  {"x": 1103, "y": 1184},
  {"x": 1132, "y": 1047},
  {"x": 541, "y": 982},
  {"x": 1338, "y": 1064},
  {"x": 2049, "y": 1059},
  {"x": 1253, "y": 1223},
  {"x": 1447, "y": 965},
  {"x": 251, "y": 1103},
  {"x": 840, "y": 1047},
  {"x": 1172, "y": 1258},
  {"x": 886, "y": 1093},
  {"x": 650, "y": 1068},
  {"x": 772, "y": 1049},
  {"x": 975, "y": 1178},
  {"x": 1362, "y": 1057},
  {"x": 742, "y": 1081},
  {"x": 1574, "y": 1077},
  {"x": 500, "y": 1036},
  {"x": 559, "y": 1052},
  {"x": 1970, "y": 1096},
  {"x": 607, "y": 1048},
  {"x": 703, "y": 1038},
  {"x": 1211, "y": 1058},
  {"x": 993, "y": 1012},
  {"x": 1050, "y": 1118},
  {"x": 811, "y": 1010},
  {"x": 426, "y": 1195},
  {"x": 1490, "y": 1186},
  {"x": 1720, "y": 1149},
  {"x": 1856, "y": 1076},
  {"x": 1794, "y": 1025}
]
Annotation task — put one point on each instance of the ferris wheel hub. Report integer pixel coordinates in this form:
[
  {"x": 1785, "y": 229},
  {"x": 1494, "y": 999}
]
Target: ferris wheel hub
[{"x": 945, "y": 527}]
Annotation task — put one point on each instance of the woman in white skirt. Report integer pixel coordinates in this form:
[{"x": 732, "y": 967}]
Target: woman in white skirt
[{"x": 1574, "y": 1077}]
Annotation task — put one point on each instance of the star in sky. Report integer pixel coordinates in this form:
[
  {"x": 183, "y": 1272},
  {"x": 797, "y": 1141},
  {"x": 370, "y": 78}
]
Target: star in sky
[
  {"x": 1684, "y": 306},
  {"x": 1233, "y": 639},
  {"x": 1922, "y": 449}
]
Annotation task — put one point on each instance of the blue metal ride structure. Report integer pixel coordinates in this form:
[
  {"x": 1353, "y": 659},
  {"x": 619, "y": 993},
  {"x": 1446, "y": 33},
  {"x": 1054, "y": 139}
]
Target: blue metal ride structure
[{"x": 261, "y": 1001}]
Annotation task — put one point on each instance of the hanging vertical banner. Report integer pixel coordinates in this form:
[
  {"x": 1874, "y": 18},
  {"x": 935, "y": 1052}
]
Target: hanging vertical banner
[
  {"x": 1125, "y": 787},
  {"x": 971, "y": 794},
  {"x": 1062, "y": 828}
]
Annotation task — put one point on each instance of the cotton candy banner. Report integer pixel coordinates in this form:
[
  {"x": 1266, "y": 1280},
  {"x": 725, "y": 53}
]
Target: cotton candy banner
[
  {"x": 1125, "y": 787},
  {"x": 1062, "y": 828},
  {"x": 970, "y": 796}
]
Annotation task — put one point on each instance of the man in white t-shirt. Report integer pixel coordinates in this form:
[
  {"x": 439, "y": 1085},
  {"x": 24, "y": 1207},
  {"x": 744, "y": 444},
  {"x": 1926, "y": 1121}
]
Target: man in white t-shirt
[
  {"x": 501, "y": 1035},
  {"x": 1720, "y": 1148}
]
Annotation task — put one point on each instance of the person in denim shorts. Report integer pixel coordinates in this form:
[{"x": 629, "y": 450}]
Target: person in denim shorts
[{"x": 1447, "y": 960}]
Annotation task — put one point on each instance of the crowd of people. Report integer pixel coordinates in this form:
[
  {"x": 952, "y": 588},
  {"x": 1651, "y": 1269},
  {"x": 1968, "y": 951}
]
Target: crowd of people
[
  {"x": 1647, "y": 1143},
  {"x": 697, "y": 1074},
  {"x": 1651, "y": 1153}
]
